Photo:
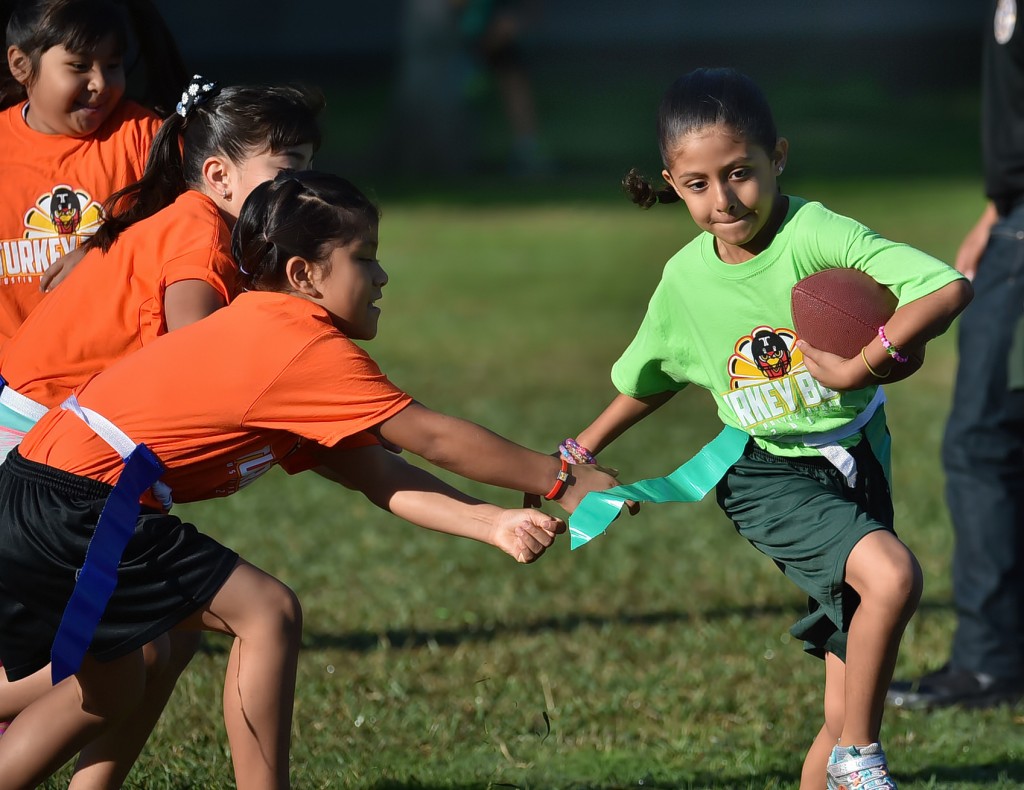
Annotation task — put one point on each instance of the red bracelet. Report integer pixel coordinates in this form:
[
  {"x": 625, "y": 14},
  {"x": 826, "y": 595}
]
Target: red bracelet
[{"x": 560, "y": 482}]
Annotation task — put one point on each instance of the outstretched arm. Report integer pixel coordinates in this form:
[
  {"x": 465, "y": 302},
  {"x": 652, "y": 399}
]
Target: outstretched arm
[
  {"x": 472, "y": 451},
  {"x": 417, "y": 496},
  {"x": 621, "y": 414}
]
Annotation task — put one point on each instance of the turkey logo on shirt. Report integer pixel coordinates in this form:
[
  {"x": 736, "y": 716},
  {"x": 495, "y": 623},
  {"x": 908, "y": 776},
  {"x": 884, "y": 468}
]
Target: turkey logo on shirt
[
  {"x": 63, "y": 211},
  {"x": 59, "y": 222},
  {"x": 766, "y": 353},
  {"x": 768, "y": 381}
]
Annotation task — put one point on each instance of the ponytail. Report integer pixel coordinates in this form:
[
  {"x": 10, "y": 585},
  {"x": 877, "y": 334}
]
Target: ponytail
[
  {"x": 642, "y": 192},
  {"x": 161, "y": 183}
]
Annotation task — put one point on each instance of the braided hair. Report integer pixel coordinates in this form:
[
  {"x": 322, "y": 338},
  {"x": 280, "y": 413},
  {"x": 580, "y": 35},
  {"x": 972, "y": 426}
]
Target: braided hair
[{"x": 300, "y": 213}]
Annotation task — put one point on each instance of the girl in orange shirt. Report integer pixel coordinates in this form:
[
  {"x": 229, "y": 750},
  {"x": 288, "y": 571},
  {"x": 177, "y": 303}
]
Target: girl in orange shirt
[
  {"x": 162, "y": 260},
  {"x": 282, "y": 382},
  {"x": 68, "y": 137}
]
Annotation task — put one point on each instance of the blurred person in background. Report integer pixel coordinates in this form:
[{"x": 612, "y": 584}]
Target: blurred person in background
[
  {"x": 492, "y": 32},
  {"x": 983, "y": 447},
  {"x": 450, "y": 53}
]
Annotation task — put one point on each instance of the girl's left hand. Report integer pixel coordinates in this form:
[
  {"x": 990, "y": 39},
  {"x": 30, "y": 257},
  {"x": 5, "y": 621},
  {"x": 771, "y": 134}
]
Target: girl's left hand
[
  {"x": 834, "y": 372},
  {"x": 60, "y": 269},
  {"x": 525, "y": 534}
]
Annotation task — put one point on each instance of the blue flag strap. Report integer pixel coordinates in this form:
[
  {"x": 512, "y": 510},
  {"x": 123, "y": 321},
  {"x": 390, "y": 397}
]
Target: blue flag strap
[
  {"x": 689, "y": 483},
  {"x": 98, "y": 575}
]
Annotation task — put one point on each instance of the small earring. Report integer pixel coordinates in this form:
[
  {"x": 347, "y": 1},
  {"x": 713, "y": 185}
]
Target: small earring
[
  {"x": 779, "y": 169},
  {"x": 224, "y": 194}
]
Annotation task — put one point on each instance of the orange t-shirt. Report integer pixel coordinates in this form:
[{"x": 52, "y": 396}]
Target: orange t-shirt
[
  {"x": 113, "y": 303},
  {"x": 260, "y": 382},
  {"x": 52, "y": 192}
]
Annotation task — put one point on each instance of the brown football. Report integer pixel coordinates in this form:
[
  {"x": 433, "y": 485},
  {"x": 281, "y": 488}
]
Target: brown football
[{"x": 839, "y": 310}]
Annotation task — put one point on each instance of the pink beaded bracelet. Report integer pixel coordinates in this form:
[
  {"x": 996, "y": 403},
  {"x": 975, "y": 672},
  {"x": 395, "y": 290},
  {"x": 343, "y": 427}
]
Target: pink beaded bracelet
[
  {"x": 892, "y": 350},
  {"x": 576, "y": 453}
]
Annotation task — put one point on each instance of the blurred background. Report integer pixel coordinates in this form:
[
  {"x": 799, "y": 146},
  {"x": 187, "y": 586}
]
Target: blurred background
[{"x": 442, "y": 96}]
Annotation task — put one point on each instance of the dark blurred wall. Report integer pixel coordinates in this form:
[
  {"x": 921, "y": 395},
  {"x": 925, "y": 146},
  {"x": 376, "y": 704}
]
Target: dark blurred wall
[
  {"x": 308, "y": 29},
  {"x": 597, "y": 68}
]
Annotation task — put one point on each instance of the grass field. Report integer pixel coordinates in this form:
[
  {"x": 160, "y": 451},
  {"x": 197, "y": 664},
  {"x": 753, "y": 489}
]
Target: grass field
[{"x": 655, "y": 657}]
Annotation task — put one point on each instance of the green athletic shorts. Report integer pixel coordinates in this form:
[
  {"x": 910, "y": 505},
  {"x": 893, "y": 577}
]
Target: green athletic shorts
[{"x": 802, "y": 514}]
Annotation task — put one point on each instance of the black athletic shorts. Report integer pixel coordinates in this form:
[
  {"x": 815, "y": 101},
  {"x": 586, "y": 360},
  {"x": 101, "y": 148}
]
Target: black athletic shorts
[{"x": 47, "y": 516}]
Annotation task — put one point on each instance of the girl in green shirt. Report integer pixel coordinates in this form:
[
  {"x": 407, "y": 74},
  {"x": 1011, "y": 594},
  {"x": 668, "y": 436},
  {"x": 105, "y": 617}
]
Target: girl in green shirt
[{"x": 720, "y": 318}]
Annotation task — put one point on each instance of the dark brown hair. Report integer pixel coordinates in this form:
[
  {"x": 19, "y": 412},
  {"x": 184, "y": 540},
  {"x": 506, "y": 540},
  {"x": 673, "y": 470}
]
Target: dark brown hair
[
  {"x": 305, "y": 213},
  {"x": 236, "y": 122},
  {"x": 702, "y": 98},
  {"x": 34, "y": 26}
]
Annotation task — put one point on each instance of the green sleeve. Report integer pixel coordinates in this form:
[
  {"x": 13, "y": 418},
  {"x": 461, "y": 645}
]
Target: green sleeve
[
  {"x": 649, "y": 365},
  {"x": 908, "y": 272}
]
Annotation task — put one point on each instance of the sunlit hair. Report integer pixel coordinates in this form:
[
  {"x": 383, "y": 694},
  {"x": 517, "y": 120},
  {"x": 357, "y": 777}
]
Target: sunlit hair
[
  {"x": 300, "y": 213},
  {"x": 237, "y": 122},
  {"x": 699, "y": 100}
]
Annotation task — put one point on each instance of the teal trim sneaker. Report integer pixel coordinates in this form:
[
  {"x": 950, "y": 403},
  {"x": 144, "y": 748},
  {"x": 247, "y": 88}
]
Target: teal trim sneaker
[{"x": 859, "y": 768}]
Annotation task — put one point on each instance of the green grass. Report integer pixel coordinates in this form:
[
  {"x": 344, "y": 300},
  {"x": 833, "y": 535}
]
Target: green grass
[{"x": 655, "y": 657}]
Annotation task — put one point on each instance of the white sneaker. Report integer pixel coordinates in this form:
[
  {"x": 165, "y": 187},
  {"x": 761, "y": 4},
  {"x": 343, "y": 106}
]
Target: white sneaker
[{"x": 859, "y": 768}]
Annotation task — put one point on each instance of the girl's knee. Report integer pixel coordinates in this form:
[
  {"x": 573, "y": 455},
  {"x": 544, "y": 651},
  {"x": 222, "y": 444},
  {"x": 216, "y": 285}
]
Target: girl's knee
[
  {"x": 903, "y": 581},
  {"x": 112, "y": 690},
  {"x": 156, "y": 655},
  {"x": 882, "y": 569},
  {"x": 280, "y": 610},
  {"x": 253, "y": 604},
  {"x": 916, "y": 583},
  {"x": 290, "y": 608}
]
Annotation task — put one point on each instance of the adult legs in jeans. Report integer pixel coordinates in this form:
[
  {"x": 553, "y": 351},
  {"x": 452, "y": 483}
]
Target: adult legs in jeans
[{"x": 983, "y": 459}]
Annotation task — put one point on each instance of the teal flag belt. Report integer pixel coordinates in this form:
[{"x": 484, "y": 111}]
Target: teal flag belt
[{"x": 689, "y": 483}]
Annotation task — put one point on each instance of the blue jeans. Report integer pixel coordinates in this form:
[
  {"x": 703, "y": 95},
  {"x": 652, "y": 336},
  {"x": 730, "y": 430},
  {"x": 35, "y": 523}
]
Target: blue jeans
[{"x": 983, "y": 458}]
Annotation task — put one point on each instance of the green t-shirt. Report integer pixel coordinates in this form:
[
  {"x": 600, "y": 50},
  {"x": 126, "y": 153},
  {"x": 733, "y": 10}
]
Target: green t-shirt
[{"x": 729, "y": 327}]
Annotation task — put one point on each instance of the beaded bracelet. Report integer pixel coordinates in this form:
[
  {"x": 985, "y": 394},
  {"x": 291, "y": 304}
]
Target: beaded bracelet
[
  {"x": 575, "y": 453},
  {"x": 561, "y": 481},
  {"x": 871, "y": 370},
  {"x": 890, "y": 349}
]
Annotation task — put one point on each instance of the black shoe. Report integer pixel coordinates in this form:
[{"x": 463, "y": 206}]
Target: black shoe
[{"x": 947, "y": 686}]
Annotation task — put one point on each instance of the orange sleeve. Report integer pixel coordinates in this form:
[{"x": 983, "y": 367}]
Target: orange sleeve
[
  {"x": 208, "y": 264},
  {"x": 332, "y": 390}
]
